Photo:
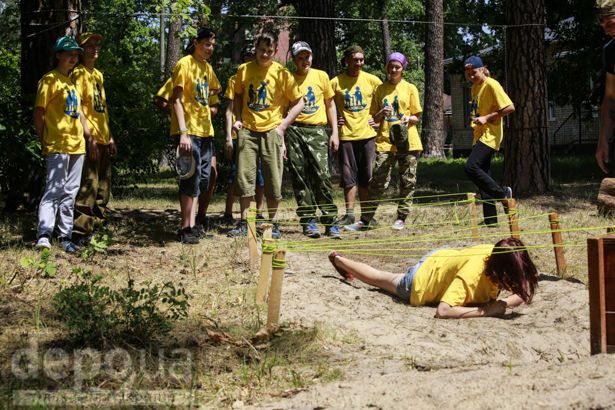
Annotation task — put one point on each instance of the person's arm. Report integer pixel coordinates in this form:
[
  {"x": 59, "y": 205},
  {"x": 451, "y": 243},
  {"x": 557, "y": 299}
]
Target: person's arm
[
  {"x": 237, "y": 102},
  {"x": 92, "y": 148},
  {"x": 39, "y": 122},
  {"x": 411, "y": 120},
  {"x": 334, "y": 141},
  {"x": 607, "y": 123},
  {"x": 295, "y": 108},
  {"x": 228, "y": 115},
  {"x": 491, "y": 117},
  {"x": 494, "y": 308},
  {"x": 112, "y": 145},
  {"x": 178, "y": 106}
]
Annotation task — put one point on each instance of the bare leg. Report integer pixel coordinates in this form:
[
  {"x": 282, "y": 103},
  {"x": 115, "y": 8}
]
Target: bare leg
[
  {"x": 244, "y": 203},
  {"x": 260, "y": 199},
  {"x": 186, "y": 204},
  {"x": 349, "y": 196},
  {"x": 272, "y": 204},
  {"x": 363, "y": 197},
  {"x": 230, "y": 198},
  {"x": 205, "y": 197},
  {"x": 381, "y": 279}
]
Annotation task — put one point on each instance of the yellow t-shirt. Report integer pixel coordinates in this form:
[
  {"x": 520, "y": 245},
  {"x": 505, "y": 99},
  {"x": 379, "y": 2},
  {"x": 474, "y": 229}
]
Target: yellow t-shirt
[
  {"x": 404, "y": 98},
  {"x": 487, "y": 98},
  {"x": 196, "y": 79},
  {"x": 455, "y": 277},
  {"x": 166, "y": 92},
  {"x": 353, "y": 98},
  {"x": 265, "y": 92},
  {"x": 90, "y": 86},
  {"x": 316, "y": 88},
  {"x": 63, "y": 132}
]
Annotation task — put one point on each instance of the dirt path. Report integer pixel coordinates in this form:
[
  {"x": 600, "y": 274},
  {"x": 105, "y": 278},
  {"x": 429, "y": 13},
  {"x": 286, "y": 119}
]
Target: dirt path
[{"x": 401, "y": 357}]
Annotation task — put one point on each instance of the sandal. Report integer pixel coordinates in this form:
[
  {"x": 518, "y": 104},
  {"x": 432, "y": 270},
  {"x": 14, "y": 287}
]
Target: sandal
[{"x": 345, "y": 274}]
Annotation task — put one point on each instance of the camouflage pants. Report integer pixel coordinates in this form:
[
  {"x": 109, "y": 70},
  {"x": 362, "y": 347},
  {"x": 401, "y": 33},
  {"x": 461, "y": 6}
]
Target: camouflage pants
[
  {"x": 308, "y": 162},
  {"x": 381, "y": 177}
]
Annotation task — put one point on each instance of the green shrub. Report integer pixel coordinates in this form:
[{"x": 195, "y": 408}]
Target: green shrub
[{"x": 95, "y": 314}]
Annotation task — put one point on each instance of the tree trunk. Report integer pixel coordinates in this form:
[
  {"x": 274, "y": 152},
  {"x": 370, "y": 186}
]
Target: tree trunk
[
  {"x": 42, "y": 22},
  {"x": 386, "y": 35},
  {"x": 527, "y": 167},
  {"x": 433, "y": 116},
  {"x": 320, "y": 34},
  {"x": 163, "y": 57},
  {"x": 174, "y": 45}
]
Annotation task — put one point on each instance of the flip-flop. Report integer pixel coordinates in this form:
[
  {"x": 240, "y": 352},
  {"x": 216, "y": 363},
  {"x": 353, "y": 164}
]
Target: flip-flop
[{"x": 345, "y": 274}]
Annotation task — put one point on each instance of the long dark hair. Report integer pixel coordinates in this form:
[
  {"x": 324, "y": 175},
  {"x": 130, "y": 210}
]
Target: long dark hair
[{"x": 511, "y": 267}]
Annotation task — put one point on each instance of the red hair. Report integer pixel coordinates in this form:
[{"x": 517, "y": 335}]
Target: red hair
[{"x": 511, "y": 267}]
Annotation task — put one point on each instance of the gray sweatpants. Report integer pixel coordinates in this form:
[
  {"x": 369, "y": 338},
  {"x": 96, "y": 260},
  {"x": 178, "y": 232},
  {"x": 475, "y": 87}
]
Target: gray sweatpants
[{"x": 58, "y": 202}]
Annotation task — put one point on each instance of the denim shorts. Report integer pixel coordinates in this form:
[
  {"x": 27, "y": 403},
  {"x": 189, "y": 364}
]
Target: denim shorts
[
  {"x": 232, "y": 173},
  {"x": 202, "y": 151},
  {"x": 405, "y": 284}
]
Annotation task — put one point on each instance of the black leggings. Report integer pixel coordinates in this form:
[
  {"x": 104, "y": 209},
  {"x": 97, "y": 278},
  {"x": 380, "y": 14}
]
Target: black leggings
[{"x": 478, "y": 170}]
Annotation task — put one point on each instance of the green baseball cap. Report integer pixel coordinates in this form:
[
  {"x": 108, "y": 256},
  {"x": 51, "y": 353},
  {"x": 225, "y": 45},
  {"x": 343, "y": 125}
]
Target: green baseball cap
[
  {"x": 605, "y": 7},
  {"x": 67, "y": 43}
]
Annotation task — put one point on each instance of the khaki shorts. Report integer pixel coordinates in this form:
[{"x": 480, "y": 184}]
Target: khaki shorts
[{"x": 266, "y": 146}]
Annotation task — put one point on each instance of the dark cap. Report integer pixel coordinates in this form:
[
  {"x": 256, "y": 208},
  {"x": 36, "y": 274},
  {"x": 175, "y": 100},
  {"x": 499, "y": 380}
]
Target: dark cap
[
  {"x": 605, "y": 7},
  {"x": 298, "y": 47},
  {"x": 66, "y": 43},
  {"x": 473, "y": 62}
]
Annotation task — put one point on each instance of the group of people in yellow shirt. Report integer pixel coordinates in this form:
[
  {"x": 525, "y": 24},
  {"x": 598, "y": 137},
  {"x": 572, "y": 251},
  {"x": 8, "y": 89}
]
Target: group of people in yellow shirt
[
  {"x": 71, "y": 118},
  {"x": 277, "y": 114}
]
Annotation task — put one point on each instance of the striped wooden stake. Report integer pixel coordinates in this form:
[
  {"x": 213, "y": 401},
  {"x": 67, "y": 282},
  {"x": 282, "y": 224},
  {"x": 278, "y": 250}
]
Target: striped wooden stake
[
  {"x": 265, "y": 271},
  {"x": 560, "y": 258},
  {"x": 252, "y": 235},
  {"x": 513, "y": 218},
  {"x": 275, "y": 290},
  {"x": 473, "y": 216}
]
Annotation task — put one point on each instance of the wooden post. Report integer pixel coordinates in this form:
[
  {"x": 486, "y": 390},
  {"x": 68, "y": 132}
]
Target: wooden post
[
  {"x": 560, "y": 258},
  {"x": 601, "y": 284},
  {"x": 275, "y": 290},
  {"x": 252, "y": 235},
  {"x": 267, "y": 231},
  {"x": 265, "y": 272},
  {"x": 473, "y": 216},
  {"x": 513, "y": 217}
]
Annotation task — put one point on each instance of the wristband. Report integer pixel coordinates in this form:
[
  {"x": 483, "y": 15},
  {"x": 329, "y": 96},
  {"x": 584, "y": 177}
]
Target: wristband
[{"x": 183, "y": 130}]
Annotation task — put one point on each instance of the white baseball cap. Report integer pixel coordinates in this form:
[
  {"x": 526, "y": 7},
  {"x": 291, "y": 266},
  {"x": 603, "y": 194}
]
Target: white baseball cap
[
  {"x": 298, "y": 47},
  {"x": 184, "y": 164}
]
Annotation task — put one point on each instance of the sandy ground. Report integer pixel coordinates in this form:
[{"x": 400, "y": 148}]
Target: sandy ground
[{"x": 402, "y": 357}]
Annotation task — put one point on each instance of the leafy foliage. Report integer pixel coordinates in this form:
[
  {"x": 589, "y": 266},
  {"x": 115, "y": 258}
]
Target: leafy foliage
[
  {"x": 97, "y": 314},
  {"x": 42, "y": 266}
]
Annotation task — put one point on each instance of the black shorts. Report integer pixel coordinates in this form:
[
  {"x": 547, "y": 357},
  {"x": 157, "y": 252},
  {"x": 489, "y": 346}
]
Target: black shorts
[{"x": 356, "y": 159}]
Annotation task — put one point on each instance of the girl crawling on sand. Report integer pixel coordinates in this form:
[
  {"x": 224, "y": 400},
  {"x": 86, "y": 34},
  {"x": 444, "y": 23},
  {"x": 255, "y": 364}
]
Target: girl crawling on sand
[{"x": 456, "y": 279}]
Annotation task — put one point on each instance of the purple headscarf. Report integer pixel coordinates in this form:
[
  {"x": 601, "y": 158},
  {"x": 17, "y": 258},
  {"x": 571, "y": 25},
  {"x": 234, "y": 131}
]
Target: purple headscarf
[{"x": 398, "y": 57}]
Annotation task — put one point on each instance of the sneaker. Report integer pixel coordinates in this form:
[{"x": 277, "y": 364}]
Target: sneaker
[
  {"x": 43, "y": 243},
  {"x": 275, "y": 232},
  {"x": 240, "y": 230},
  {"x": 362, "y": 225},
  {"x": 68, "y": 246},
  {"x": 345, "y": 274},
  {"x": 188, "y": 236},
  {"x": 356, "y": 227},
  {"x": 260, "y": 219},
  {"x": 347, "y": 220},
  {"x": 333, "y": 231},
  {"x": 398, "y": 225},
  {"x": 311, "y": 230},
  {"x": 84, "y": 241},
  {"x": 227, "y": 220}
]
